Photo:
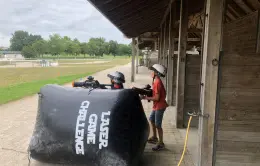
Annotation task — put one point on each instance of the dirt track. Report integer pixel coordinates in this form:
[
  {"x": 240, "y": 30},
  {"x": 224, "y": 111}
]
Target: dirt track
[{"x": 17, "y": 122}]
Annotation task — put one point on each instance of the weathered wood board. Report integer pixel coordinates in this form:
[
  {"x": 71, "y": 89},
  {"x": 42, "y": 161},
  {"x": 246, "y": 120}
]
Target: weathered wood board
[
  {"x": 238, "y": 135},
  {"x": 192, "y": 88}
]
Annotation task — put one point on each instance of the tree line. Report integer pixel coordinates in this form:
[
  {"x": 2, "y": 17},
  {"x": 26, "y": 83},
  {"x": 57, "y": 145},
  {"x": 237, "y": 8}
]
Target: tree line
[{"x": 32, "y": 46}]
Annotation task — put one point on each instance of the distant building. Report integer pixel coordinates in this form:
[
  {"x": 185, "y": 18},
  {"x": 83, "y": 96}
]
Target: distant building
[
  {"x": 3, "y": 48},
  {"x": 11, "y": 55}
]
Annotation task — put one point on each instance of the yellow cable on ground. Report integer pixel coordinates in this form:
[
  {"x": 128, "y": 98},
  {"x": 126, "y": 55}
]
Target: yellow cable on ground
[{"x": 186, "y": 140}]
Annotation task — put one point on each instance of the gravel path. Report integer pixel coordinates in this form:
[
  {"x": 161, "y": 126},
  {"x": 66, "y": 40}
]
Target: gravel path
[{"x": 17, "y": 121}]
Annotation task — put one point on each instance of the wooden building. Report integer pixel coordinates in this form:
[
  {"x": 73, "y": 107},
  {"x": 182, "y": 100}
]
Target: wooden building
[{"x": 222, "y": 84}]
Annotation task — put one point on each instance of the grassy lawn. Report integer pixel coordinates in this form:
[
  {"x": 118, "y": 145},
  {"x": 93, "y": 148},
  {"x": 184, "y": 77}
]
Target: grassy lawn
[{"x": 16, "y": 83}]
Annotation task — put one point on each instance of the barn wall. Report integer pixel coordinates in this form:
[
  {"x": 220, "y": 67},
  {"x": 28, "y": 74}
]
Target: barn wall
[
  {"x": 192, "y": 88},
  {"x": 238, "y": 112}
]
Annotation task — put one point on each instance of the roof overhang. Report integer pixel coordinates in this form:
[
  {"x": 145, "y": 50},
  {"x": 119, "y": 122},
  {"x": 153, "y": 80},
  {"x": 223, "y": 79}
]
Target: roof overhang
[{"x": 133, "y": 17}]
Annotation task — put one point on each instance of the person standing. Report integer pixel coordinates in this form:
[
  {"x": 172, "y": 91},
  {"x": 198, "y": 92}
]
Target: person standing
[{"x": 159, "y": 106}]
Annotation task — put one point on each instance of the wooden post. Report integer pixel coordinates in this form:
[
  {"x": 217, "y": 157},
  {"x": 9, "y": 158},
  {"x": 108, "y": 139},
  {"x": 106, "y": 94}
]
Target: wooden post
[
  {"x": 211, "y": 50},
  {"x": 164, "y": 43},
  {"x": 137, "y": 55},
  {"x": 167, "y": 37},
  {"x": 166, "y": 53},
  {"x": 160, "y": 46},
  {"x": 171, "y": 54},
  {"x": 181, "y": 61},
  {"x": 133, "y": 61}
]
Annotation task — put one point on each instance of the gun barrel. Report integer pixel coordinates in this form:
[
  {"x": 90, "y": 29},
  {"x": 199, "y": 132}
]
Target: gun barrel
[{"x": 78, "y": 84}]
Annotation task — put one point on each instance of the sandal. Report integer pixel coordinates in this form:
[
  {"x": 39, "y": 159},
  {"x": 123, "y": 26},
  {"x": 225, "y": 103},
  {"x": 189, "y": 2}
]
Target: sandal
[
  {"x": 158, "y": 147},
  {"x": 152, "y": 140}
]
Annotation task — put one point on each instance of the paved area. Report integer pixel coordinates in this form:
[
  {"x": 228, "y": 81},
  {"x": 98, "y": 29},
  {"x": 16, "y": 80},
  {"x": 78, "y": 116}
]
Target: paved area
[{"x": 17, "y": 122}]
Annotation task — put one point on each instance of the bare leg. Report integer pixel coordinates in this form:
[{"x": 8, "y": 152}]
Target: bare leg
[
  {"x": 160, "y": 133},
  {"x": 154, "y": 129}
]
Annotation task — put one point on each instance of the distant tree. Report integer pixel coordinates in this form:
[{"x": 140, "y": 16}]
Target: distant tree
[
  {"x": 28, "y": 52},
  {"x": 22, "y": 38},
  {"x": 40, "y": 47},
  {"x": 33, "y": 38},
  {"x": 124, "y": 49},
  {"x": 112, "y": 47},
  {"x": 66, "y": 41},
  {"x": 19, "y": 40},
  {"x": 56, "y": 45},
  {"x": 74, "y": 48},
  {"x": 34, "y": 45},
  {"x": 84, "y": 48},
  {"x": 97, "y": 46}
]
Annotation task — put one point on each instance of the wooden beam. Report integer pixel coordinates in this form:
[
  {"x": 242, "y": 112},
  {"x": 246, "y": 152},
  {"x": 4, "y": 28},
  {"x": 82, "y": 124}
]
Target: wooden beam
[
  {"x": 164, "y": 42},
  {"x": 133, "y": 61},
  {"x": 175, "y": 39},
  {"x": 160, "y": 46},
  {"x": 167, "y": 43},
  {"x": 180, "y": 79},
  {"x": 170, "y": 68},
  {"x": 189, "y": 39},
  {"x": 194, "y": 30},
  {"x": 209, "y": 80},
  {"x": 229, "y": 7},
  {"x": 249, "y": 5},
  {"x": 236, "y": 7},
  {"x": 228, "y": 19},
  {"x": 234, "y": 14},
  {"x": 230, "y": 15},
  {"x": 258, "y": 34},
  {"x": 243, "y": 6},
  {"x": 254, "y": 3},
  {"x": 137, "y": 55},
  {"x": 166, "y": 12}
]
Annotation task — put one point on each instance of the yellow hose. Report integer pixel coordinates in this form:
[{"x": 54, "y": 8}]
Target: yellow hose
[{"x": 186, "y": 140}]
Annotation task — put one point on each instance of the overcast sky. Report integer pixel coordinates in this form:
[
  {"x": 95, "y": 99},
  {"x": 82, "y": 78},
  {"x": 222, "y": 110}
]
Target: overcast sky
[{"x": 74, "y": 18}]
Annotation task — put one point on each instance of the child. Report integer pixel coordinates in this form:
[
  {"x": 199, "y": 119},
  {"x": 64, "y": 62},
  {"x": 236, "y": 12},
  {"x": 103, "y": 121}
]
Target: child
[{"x": 159, "y": 106}]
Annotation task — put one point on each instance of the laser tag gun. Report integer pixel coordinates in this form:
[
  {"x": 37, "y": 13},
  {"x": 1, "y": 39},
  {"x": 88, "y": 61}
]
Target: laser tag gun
[
  {"x": 90, "y": 83},
  {"x": 145, "y": 91}
]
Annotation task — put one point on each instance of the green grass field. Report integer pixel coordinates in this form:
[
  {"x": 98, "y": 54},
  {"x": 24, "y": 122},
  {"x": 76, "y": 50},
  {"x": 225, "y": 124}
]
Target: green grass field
[{"x": 16, "y": 83}]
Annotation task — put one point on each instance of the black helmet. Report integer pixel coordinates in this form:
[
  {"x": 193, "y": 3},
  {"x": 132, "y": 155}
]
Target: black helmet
[{"x": 117, "y": 77}]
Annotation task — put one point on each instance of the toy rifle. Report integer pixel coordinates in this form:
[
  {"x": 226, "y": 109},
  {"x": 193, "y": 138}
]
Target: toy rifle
[{"x": 145, "y": 91}]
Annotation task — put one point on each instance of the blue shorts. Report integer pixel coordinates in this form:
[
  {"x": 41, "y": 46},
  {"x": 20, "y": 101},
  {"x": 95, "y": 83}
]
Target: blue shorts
[{"x": 156, "y": 117}]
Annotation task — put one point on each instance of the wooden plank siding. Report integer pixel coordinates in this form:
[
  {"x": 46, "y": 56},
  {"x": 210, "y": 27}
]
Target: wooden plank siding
[
  {"x": 238, "y": 136},
  {"x": 192, "y": 88}
]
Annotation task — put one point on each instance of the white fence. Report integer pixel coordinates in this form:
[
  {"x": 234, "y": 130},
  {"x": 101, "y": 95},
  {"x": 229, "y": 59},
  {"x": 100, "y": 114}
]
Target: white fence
[{"x": 5, "y": 63}]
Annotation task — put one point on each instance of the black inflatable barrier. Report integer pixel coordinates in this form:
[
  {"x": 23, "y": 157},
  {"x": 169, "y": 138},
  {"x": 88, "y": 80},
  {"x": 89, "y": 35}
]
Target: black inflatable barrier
[{"x": 91, "y": 127}]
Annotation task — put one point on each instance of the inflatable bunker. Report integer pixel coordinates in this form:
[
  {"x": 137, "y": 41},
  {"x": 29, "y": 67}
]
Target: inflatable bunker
[{"x": 91, "y": 127}]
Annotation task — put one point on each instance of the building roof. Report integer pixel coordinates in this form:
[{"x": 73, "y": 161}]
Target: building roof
[{"x": 135, "y": 17}]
